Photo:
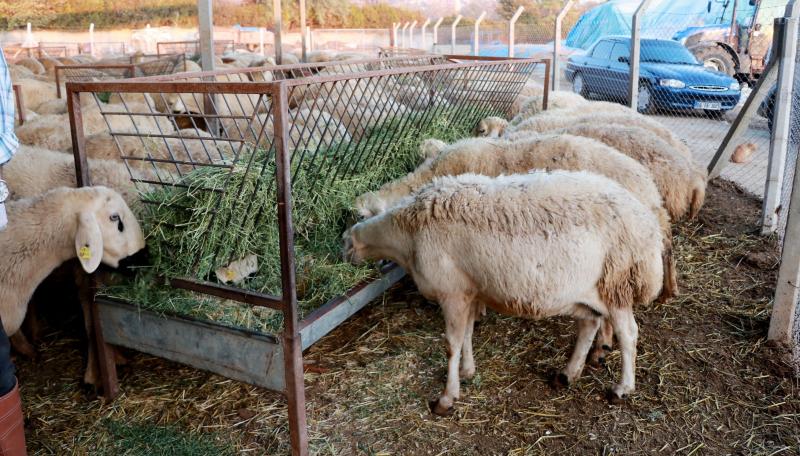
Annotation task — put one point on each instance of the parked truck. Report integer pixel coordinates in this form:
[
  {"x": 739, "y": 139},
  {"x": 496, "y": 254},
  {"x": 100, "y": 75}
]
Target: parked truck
[{"x": 739, "y": 42}]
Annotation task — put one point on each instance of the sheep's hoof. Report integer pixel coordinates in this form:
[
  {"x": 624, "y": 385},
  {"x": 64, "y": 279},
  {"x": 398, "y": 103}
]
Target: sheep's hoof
[
  {"x": 559, "y": 381},
  {"x": 438, "y": 409},
  {"x": 616, "y": 399}
]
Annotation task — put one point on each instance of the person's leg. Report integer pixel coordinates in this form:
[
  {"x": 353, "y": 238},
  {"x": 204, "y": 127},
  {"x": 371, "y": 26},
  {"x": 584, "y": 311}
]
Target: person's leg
[{"x": 12, "y": 423}]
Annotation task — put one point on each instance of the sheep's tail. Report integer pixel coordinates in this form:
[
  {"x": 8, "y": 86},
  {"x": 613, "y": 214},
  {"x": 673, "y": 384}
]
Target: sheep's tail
[{"x": 698, "y": 198}]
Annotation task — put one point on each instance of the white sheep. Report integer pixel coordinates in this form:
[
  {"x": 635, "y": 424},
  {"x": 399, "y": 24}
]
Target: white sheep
[
  {"x": 557, "y": 119},
  {"x": 34, "y": 171},
  {"x": 35, "y": 92},
  {"x": 536, "y": 246},
  {"x": 31, "y": 64},
  {"x": 93, "y": 224},
  {"x": 562, "y": 152}
]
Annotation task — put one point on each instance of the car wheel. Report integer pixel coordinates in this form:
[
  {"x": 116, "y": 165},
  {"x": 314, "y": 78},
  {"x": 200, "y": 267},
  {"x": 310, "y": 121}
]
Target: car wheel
[
  {"x": 715, "y": 58},
  {"x": 645, "y": 102},
  {"x": 579, "y": 85}
]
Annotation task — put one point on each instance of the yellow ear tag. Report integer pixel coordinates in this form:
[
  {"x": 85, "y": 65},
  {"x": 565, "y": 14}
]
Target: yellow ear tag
[
  {"x": 230, "y": 275},
  {"x": 85, "y": 253}
]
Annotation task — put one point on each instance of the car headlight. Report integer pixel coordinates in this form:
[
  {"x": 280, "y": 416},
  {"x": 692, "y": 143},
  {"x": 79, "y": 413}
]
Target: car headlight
[
  {"x": 735, "y": 86},
  {"x": 674, "y": 83}
]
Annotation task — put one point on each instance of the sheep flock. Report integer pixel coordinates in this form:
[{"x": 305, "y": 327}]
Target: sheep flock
[{"x": 564, "y": 211}]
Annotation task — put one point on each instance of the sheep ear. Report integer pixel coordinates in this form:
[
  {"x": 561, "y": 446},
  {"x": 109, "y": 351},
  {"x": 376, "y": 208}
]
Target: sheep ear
[{"x": 89, "y": 242}]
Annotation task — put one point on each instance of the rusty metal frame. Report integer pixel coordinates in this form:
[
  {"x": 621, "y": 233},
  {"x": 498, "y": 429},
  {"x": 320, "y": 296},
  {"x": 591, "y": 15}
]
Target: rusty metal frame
[
  {"x": 99, "y": 67},
  {"x": 20, "y": 102},
  {"x": 187, "y": 44},
  {"x": 278, "y": 91}
]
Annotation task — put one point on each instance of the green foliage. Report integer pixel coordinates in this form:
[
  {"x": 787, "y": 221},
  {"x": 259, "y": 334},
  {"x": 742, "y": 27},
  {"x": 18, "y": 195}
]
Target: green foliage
[
  {"x": 140, "y": 439},
  {"x": 77, "y": 14}
]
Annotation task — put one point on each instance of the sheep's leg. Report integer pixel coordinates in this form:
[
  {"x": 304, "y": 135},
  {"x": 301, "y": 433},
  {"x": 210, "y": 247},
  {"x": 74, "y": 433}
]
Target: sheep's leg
[
  {"x": 467, "y": 360},
  {"x": 587, "y": 328},
  {"x": 457, "y": 312},
  {"x": 602, "y": 345},
  {"x": 21, "y": 345},
  {"x": 627, "y": 333}
]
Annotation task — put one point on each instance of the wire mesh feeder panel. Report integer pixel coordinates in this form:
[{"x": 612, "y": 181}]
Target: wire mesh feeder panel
[
  {"x": 243, "y": 208},
  {"x": 207, "y": 174}
]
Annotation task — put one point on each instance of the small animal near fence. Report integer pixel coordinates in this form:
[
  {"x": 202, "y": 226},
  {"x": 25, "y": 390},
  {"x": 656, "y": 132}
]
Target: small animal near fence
[
  {"x": 192, "y": 47},
  {"x": 245, "y": 179},
  {"x": 142, "y": 66}
]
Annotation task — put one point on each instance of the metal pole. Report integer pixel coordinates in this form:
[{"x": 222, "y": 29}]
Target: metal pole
[
  {"x": 453, "y": 34},
  {"x": 779, "y": 145},
  {"x": 424, "y": 43},
  {"x": 91, "y": 39},
  {"x": 476, "y": 37},
  {"x": 309, "y": 40},
  {"x": 403, "y": 35},
  {"x": 636, "y": 38},
  {"x": 557, "y": 41},
  {"x": 787, "y": 292},
  {"x": 205, "y": 21},
  {"x": 276, "y": 16},
  {"x": 261, "y": 40},
  {"x": 436, "y": 32},
  {"x": 393, "y": 36},
  {"x": 511, "y": 26},
  {"x": 303, "y": 39},
  {"x": 411, "y": 34}
]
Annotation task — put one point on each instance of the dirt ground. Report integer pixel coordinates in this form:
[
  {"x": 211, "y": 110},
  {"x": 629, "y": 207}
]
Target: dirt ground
[{"x": 707, "y": 381}]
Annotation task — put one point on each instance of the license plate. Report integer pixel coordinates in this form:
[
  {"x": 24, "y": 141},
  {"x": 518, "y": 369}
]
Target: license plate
[{"x": 710, "y": 105}]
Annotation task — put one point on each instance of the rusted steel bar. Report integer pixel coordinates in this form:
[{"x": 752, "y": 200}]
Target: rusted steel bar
[
  {"x": 292, "y": 344},
  {"x": 62, "y": 68},
  {"x": 20, "y": 103},
  {"x": 546, "y": 93},
  {"x": 322, "y": 310},
  {"x": 88, "y": 288},
  {"x": 141, "y": 85},
  {"x": 228, "y": 292}
]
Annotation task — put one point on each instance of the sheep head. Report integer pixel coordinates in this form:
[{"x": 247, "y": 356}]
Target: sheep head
[
  {"x": 490, "y": 127},
  {"x": 107, "y": 230}
]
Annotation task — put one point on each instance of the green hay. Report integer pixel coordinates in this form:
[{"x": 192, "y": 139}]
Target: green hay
[
  {"x": 139, "y": 439},
  {"x": 194, "y": 242}
]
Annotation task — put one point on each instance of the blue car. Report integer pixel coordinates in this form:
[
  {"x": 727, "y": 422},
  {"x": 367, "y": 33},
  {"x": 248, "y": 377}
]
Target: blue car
[{"x": 671, "y": 77}]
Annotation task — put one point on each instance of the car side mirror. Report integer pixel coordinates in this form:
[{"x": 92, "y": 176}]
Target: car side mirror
[{"x": 623, "y": 59}]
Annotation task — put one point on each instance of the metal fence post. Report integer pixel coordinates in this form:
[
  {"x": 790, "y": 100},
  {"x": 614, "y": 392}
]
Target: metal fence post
[
  {"x": 261, "y": 41},
  {"x": 276, "y": 16},
  {"x": 303, "y": 39},
  {"x": 91, "y": 39},
  {"x": 403, "y": 35},
  {"x": 205, "y": 24},
  {"x": 393, "y": 35},
  {"x": 309, "y": 39},
  {"x": 411, "y": 34},
  {"x": 779, "y": 145},
  {"x": 557, "y": 41},
  {"x": 453, "y": 34},
  {"x": 436, "y": 32},
  {"x": 511, "y": 24},
  {"x": 423, "y": 43},
  {"x": 636, "y": 37},
  {"x": 476, "y": 38}
]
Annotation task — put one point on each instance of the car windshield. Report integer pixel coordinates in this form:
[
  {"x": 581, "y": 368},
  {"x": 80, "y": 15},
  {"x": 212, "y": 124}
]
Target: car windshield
[{"x": 666, "y": 52}]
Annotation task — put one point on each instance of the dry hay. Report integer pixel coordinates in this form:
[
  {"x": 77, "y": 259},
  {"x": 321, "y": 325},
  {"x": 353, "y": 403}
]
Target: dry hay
[{"x": 708, "y": 383}]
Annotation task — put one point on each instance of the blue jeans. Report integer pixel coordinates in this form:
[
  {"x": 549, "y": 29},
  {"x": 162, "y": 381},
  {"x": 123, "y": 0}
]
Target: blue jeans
[{"x": 7, "y": 380}]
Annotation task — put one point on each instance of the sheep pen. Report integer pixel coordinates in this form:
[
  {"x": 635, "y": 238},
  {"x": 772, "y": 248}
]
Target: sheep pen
[{"x": 706, "y": 377}]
